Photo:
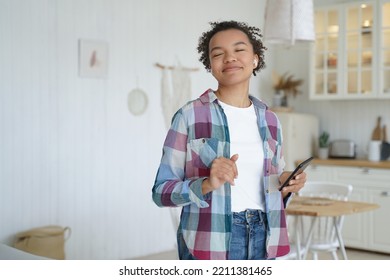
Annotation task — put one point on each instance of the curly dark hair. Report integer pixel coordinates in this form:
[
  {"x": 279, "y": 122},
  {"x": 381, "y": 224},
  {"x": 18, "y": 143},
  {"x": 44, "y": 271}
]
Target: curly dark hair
[{"x": 252, "y": 32}]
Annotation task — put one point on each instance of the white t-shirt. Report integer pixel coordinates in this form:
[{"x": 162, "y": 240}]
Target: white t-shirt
[{"x": 245, "y": 141}]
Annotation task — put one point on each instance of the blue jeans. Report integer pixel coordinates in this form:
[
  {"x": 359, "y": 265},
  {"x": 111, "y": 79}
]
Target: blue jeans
[{"x": 249, "y": 230}]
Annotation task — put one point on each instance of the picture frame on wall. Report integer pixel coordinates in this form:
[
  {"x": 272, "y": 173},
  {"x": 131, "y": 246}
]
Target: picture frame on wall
[{"x": 93, "y": 59}]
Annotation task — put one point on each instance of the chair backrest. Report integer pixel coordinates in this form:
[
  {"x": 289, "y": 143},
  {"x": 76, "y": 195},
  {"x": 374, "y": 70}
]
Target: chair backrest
[
  {"x": 333, "y": 190},
  {"x": 324, "y": 235}
]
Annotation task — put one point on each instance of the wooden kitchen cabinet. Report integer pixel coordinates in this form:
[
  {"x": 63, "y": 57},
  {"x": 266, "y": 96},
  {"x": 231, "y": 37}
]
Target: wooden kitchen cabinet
[
  {"x": 368, "y": 230},
  {"x": 351, "y": 55}
]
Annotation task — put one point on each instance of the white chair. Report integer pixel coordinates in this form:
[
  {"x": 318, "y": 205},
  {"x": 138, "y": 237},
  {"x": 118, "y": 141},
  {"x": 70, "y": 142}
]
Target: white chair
[{"x": 324, "y": 237}]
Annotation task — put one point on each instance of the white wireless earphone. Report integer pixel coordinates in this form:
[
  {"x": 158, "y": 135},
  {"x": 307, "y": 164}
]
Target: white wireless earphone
[{"x": 255, "y": 62}]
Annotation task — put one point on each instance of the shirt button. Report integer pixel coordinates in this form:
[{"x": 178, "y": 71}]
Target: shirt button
[{"x": 203, "y": 140}]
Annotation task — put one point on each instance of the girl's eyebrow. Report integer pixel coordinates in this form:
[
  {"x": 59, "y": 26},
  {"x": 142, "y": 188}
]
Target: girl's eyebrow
[
  {"x": 235, "y": 44},
  {"x": 240, "y": 43}
]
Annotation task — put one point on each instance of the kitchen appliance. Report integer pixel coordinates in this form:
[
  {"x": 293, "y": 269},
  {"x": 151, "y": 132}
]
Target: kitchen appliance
[
  {"x": 342, "y": 149},
  {"x": 300, "y": 136}
]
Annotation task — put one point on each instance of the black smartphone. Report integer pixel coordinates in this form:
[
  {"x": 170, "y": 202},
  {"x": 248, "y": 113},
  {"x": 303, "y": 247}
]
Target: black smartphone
[{"x": 300, "y": 168}]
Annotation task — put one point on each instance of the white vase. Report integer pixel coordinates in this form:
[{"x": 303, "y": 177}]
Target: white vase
[
  {"x": 323, "y": 153},
  {"x": 277, "y": 98},
  {"x": 374, "y": 150}
]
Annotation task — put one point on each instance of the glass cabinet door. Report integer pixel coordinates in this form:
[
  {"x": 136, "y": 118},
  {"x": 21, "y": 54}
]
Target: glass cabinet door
[
  {"x": 384, "y": 61},
  {"x": 326, "y": 53},
  {"x": 359, "y": 50},
  {"x": 350, "y": 58}
]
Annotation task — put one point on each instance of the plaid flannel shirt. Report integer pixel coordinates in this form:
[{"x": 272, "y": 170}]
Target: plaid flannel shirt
[{"x": 198, "y": 134}]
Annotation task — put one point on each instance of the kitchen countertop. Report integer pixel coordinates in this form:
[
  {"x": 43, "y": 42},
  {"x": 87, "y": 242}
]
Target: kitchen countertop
[{"x": 351, "y": 162}]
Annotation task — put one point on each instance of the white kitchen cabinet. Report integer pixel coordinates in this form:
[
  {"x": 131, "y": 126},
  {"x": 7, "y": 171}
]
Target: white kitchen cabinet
[
  {"x": 378, "y": 227},
  {"x": 326, "y": 54},
  {"x": 319, "y": 173},
  {"x": 360, "y": 229},
  {"x": 351, "y": 56},
  {"x": 354, "y": 230},
  {"x": 368, "y": 230},
  {"x": 384, "y": 59}
]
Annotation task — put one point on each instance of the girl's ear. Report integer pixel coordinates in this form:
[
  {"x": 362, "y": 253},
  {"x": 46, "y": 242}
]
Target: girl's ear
[{"x": 255, "y": 61}]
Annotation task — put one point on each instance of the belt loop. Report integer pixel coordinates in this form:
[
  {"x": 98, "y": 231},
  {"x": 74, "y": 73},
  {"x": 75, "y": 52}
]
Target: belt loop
[{"x": 263, "y": 216}]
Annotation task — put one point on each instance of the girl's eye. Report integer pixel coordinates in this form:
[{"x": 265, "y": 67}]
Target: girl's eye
[
  {"x": 217, "y": 54},
  {"x": 240, "y": 50}
]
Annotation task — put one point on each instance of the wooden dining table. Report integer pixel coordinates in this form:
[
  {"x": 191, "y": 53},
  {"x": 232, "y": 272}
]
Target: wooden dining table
[{"x": 324, "y": 207}]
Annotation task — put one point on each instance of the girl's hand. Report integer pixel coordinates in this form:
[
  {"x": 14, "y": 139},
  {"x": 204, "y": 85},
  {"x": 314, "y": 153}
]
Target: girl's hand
[
  {"x": 295, "y": 184},
  {"x": 222, "y": 170}
]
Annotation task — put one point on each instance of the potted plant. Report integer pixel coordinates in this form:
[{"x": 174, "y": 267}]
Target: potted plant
[
  {"x": 284, "y": 86},
  {"x": 323, "y": 150}
]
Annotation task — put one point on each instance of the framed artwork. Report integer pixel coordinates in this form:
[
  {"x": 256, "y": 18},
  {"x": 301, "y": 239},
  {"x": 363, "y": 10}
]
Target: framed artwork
[{"x": 93, "y": 59}]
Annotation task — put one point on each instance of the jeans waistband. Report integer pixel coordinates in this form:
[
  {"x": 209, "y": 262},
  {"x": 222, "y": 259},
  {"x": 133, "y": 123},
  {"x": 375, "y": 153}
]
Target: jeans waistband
[{"x": 251, "y": 215}]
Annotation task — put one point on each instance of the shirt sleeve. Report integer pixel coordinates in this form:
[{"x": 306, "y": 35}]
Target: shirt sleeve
[
  {"x": 282, "y": 162},
  {"x": 171, "y": 188}
]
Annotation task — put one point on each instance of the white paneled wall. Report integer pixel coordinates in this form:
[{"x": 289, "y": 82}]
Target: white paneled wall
[{"x": 70, "y": 152}]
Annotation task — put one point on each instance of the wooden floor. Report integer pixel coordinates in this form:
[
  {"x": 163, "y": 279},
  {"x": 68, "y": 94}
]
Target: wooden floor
[{"x": 352, "y": 254}]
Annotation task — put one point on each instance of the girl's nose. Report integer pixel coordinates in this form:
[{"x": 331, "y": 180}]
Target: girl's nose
[{"x": 229, "y": 58}]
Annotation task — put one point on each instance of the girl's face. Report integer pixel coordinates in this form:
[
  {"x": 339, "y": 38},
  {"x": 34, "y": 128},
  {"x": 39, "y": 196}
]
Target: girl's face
[{"x": 232, "y": 59}]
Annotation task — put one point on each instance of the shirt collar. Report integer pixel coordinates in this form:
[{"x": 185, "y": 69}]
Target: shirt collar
[{"x": 209, "y": 96}]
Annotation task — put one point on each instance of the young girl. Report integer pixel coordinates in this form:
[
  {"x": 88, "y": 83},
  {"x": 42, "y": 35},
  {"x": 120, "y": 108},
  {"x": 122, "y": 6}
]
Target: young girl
[{"x": 222, "y": 158}]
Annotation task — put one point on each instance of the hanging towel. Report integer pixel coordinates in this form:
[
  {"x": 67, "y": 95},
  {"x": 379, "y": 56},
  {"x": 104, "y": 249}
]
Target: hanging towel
[{"x": 175, "y": 91}]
